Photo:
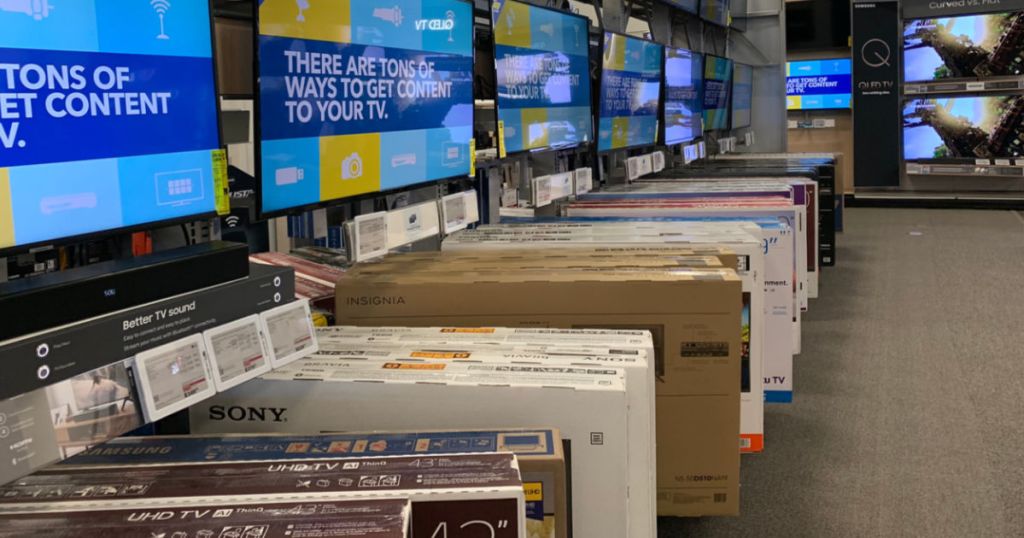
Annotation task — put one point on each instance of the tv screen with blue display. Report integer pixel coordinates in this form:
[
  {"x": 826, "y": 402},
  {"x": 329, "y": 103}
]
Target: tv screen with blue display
[
  {"x": 543, "y": 73},
  {"x": 965, "y": 47},
  {"x": 684, "y": 81},
  {"x": 964, "y": 128},
  {"x": 742, "y": 95},
  {"x": 717, "y": 92},
  {"x": 108, "y": 117},
  {"x": 630, "y": 92},
  {"x": 818, "y": 84},
  {"x": 715, "y": 11},
  {"x": 360, "y": 97}
]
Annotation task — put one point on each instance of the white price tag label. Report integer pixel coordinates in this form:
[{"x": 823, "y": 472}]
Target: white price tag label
[
  {"x": 584, "y": 180},
  {"x": 632, "y": 168},
  {"x": 541, "y": 191},
  {"x": 459, "y": 211},
  {"x": 561, "y": 185},
  {"x": 173, "y": 376},
  {"x": 658, "y": 159},
  {"x": 290, "y": 332},
  {"x": 410, "y": 224},
  {"x": 703, "y": 150},
  {"x": 238, "y": 352},
  {"x": 370, "y": 236}
]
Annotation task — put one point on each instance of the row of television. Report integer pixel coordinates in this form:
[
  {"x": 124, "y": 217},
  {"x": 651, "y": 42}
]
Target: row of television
[{"x": 108, "y": 116}]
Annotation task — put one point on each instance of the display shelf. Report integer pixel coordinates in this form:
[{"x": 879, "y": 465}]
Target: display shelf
[
  {"x": 1001, "y": 84},
  {"x": 975, "y": 170}
]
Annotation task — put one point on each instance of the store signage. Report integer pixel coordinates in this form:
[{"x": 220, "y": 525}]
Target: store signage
[
  {"x": 876, "y": 45},
  {"x": 921, "y": 9}
]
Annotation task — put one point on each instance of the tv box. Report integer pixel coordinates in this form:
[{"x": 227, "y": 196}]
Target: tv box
[{"x": 49, "y": 301}]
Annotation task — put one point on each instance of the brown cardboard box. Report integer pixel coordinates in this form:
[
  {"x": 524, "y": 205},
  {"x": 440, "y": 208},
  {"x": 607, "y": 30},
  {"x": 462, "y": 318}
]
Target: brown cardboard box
[
  {"x": 693, "y": 314},
  {"x": 594, "y": 263}
]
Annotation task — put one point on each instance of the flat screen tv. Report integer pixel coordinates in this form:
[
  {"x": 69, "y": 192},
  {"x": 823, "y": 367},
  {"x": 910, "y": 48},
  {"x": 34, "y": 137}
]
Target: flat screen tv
[
  {"x": 690, "y": 6},
  {"x": 717, "y": 92},
  {"x": 630, "y": 93},
  {"x": 963, "y": 128},
  {"x": 715, "y": 11},
  {"x": 361, "y": 97},
  {"x": 108, "y": 118},
  {"x": 684, "y": 82},
  {"x": 818, "y": 84},
  {"x": 543, "y": 73},
  {"x": 965, "y": 47},
  {"x": 742, "y": 95}
]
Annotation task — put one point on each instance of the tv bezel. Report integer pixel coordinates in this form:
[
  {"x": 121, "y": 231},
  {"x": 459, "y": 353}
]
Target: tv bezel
[
  {"x": 154, "y": 224},
  {"x": 258, "y": 149},
  {"x": 596, "y": 105}
]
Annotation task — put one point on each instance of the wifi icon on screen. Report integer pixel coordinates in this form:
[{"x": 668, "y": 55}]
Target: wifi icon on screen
[
  {"x": 161, "y": 7},
  {"x": 232, "y": 221}
]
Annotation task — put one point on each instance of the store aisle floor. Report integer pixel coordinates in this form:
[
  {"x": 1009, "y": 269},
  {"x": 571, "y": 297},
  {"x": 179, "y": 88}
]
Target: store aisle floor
[{"x": 909, "y": 410}]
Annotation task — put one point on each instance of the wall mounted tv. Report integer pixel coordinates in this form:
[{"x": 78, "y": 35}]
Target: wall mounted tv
[
  {"x": 963, "y": 128},
  {"x": 630, "y": 92},
  {"x": 360, "y": 97},
  {"x": 717, "y": 92},
  {"x": 684, "y": 82},
  {"x": 818, "y": 84},
  {"x": 543, "y": 73},
  {"x": 965, "y": 47},
  {"x": 715, "y": 11},
  {"x": 108, "y": 118},
  {"x": 690, "y": 6},
  {"x": 742, "y": 96}
]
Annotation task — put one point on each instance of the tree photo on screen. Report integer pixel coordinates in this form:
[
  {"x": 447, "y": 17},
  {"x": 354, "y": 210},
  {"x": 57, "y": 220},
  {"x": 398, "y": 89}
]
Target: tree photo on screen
[
  {"x": 964, "y": 128},
  {"x": 973, "y": 46}
]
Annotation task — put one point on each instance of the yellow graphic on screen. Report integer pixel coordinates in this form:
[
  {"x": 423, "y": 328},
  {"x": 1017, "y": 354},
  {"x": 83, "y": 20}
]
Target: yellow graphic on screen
[
  {"x": 322, "y": 20},
  {"x": 349, "y": 165},
  {"x": 615, "y": 53},
  {"x": 620, "y": 132},
  {"x": 794, "y": 102},
  {"x": 6, "y": 210},
  {"x": 788, "y": 68},
  {"x": 535, "y": 127},
  {"x": 513, "y": 27}
]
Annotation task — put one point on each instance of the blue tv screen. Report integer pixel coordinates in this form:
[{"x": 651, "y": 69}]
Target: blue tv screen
[
  {"x": 684, "y": 81},
  {"x": 543, "y": 72},
  {"x": 108, "y": 117},
  {"x": 818, "y": 84},
  {"x": 630, "y": 92},
  {"x": 717, "y": 92}
]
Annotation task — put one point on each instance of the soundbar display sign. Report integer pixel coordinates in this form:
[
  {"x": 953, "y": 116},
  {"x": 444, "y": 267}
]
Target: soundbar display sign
[
  {"x": 876, "y": 93},
  {"x": 922, "y": 9}
]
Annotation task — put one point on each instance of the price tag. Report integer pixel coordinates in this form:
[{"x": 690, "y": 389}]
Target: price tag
[
  {"x": 221, "y": 191},
  {"x": 632, "y": 168},
  {"x": 501, "y": 139},
  {"x": 173, "y": 376},
  {"x": 410, "y": 224},
  {"x": 370, "y": 236},
  {"x": 561, "y": 185},
  {"x": 472, "y": 157},
  {"x": 289, "y": 329},
  {"x": 460, "y": 210},
  {"x": 238, "y": 352},
  {"x": 658, "y": 159},
  {"x": 703, "y": 150},
  {"x": 584, "y": 180},
  {"x": 541, "y": 191}
]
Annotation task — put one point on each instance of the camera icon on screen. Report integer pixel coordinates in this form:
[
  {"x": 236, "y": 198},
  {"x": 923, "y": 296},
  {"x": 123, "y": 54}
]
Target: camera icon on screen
[{"x": 352, "y": 167}]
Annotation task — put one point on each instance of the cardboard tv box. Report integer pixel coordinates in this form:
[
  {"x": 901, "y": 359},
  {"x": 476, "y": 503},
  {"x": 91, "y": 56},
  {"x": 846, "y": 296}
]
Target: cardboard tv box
[
  {"x": 588, "y": 405},
  {"x": 752, "y": 435},
  {"x": 539, "y": 451},
  {"x": 693, "y": 315},
  {"x": 639, "y": 383},
  {"x": 445, "y": 490},
  {"x": 373, "y": 518}
]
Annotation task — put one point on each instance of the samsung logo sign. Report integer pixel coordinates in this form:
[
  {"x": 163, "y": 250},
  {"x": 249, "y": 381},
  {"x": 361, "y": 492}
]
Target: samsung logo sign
[
  {"x": 248, "y": 414},
  {"x": 375, "y": 300}
]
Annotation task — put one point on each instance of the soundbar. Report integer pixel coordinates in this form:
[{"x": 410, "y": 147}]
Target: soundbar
[{"x": 48, "y": 301}]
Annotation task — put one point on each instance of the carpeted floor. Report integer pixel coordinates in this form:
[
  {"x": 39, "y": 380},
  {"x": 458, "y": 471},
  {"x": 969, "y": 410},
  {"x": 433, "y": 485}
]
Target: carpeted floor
[{"x": 908, "y": 417}]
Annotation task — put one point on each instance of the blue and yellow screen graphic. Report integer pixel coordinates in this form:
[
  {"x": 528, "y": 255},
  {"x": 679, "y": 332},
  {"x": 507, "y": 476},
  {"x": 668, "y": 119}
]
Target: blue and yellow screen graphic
[
  {"x": 543, "y": 73},
  {"x": 359, "y": 97},
  {"x": 717, "y": 92},
  {"x": 818, "y": 84},
  {"x": 108, "y": 116},
  {"x": 630, "y": 92},
  {"x": 684, "y": 76}
]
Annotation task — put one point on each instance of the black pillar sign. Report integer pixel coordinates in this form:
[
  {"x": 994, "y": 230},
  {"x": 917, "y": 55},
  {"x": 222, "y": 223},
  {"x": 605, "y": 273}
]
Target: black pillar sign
[
  {"x": 876, "y": 94},
  {"x": 924, "y": 9}
]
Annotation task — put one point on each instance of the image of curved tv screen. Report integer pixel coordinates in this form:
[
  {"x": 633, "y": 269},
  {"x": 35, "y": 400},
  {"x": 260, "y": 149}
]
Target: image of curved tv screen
[
  {"x": 108, "y": 118},
  {"x": 818, "y": 84},
  {"x": 965, "y": 47},
  {"x": 542, "y": 58},
  {"x": 684, "y": 81},
  {"x": 963, "y": 129}
]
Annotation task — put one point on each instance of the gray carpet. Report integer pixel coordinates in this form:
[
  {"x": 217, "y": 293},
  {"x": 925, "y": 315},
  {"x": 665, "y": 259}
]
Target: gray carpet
[{"x": 908, "y": 417}]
